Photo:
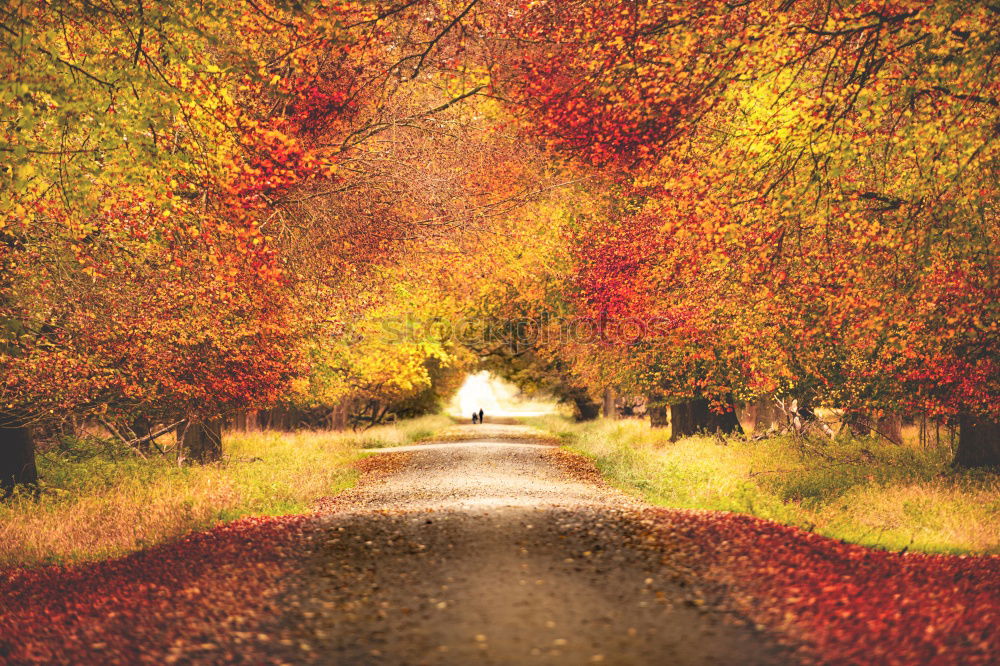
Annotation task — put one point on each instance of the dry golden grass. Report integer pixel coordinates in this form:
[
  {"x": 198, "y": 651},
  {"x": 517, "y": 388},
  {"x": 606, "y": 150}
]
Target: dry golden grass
[
  {"x": 98, "y": 501},
  {"x": 863, "y": 491}
]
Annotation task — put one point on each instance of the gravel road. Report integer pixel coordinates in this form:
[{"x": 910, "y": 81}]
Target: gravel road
[{"x": 482, "y": 549}]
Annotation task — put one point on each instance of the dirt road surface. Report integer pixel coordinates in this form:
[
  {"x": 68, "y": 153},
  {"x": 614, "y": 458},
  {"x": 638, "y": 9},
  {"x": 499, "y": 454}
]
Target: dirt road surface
[{"x": 482, "y": 549}]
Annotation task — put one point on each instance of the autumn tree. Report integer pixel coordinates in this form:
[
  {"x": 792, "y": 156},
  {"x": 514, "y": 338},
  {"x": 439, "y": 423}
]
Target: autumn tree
[
  {"x": 212, "y": 207},
  {"x": 149, "y": 144},
  {"x": 828, "y": 164}
]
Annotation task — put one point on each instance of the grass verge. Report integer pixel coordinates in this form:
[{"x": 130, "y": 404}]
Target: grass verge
[
  {"x": 99, "y": 501},
  {"x": 861, "y": 491},
  {"x": 402, "y": 432}
]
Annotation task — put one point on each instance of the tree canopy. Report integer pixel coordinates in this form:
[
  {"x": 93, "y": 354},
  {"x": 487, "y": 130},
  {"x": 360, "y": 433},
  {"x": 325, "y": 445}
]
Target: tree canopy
[{"x": 216, "y": 206}]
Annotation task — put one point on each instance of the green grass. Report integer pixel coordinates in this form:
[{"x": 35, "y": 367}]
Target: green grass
[
  {"x": 100, "y": 501},
  {"x": 861, "y": 491}
]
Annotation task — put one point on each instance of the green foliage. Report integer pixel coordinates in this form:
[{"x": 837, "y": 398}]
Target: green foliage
[{"x": 862, "y": 491}]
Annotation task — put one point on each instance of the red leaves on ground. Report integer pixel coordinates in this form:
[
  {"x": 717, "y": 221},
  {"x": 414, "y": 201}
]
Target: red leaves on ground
[
  {"x": 845, "y": 603},
  {"x": 157, "y": 606}
]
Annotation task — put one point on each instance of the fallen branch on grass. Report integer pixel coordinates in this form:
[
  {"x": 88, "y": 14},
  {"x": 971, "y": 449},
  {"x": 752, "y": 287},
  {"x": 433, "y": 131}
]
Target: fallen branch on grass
[{"x": 137, "y": 442}]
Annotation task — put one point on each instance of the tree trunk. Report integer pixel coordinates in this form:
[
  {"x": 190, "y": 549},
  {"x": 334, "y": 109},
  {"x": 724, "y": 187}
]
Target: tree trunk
[
  {"x": 684, "y": 419},
  {"x": 888, "y": 426},
  {"x": 203, "y": 441},
  {"x": 586, "y": 409},
  {"x": 338, "y": 416},
  {"x": 694, "y": 416},
  {"x": 978, "y": 443},
  {"x": 610, "y": 410},
  {"x": 380, "y": 416},
  {"x": 278, "y": 419},
  {"x": 749, "y": 415},
  {"x": 252, "y": 420},
  {"x": 17, "y": 453},
  {"x": 657, "y": 416},
  {"x": 857, "y": 423},
  {"x": 760, "y": 416}
]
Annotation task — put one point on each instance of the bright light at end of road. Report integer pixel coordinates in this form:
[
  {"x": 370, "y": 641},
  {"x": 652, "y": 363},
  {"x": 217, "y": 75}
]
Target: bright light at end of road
[{"x": 495, "y": 397}]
